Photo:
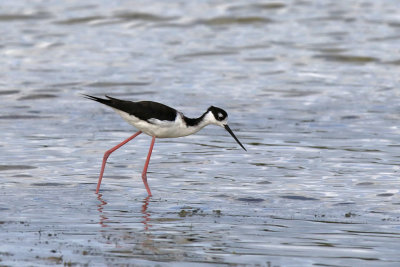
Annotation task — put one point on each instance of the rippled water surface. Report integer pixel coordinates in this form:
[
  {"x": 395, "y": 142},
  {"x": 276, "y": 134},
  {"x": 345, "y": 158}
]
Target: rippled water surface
[{"x": 312, "y": 90}]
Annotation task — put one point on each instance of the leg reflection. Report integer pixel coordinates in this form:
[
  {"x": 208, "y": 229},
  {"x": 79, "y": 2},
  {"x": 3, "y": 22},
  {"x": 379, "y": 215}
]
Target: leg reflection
[
  {"x": 146, "y": 215},
  {"x": 100, "y": 207}
]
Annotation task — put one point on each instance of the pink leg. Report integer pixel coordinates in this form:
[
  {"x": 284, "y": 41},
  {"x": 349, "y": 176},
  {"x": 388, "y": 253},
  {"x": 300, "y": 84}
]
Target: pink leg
[
  {"x": 144, "y": 173},
  {"x": 108, "y": 153}
]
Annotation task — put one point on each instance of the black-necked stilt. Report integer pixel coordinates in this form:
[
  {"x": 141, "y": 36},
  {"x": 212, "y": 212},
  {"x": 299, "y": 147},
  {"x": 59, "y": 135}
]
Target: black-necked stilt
[{"x": 158, "y": 120}]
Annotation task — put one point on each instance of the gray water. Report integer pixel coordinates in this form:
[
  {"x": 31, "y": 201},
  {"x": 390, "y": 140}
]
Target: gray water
[{"x": 312, "y": 91}]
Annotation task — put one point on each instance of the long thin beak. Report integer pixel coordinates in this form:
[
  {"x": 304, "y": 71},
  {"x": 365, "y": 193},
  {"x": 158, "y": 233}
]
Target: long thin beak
[{"x": 230, "y": 131}]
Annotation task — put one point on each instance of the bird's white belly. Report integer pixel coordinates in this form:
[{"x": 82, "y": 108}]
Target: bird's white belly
[{"x": 158, "y": 128}]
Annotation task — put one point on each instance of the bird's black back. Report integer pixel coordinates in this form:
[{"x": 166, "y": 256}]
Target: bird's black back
[{"x": 144, "y": 110}]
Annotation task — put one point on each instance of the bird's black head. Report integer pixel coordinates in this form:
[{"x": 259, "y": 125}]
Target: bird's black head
[{"x": 220, "y": 115}]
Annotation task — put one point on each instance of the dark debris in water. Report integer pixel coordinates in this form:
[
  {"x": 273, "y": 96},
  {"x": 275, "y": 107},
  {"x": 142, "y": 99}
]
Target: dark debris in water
[
  {"x": 47, "y": 184},
  {"x": 299, "y": 197},
  {"x": 37, "y": 96},
  {"x": 385, "y": 195},
  {"x": 350, "y": 117},
  {"x": 15, "y": 167},
  {"x": 52, "y": 259},
  {"x": 189, "y": 212},
  {"x": 79, "y": 20},
  {"x": 348, "y": 58},
  {"x": 350, "y": 214},
  {"x": 22, "y": 175},
  {"x": 250, "y": 199},
  {"x": 344, "y": 203},
  {"x": 264, "y": 182},
  {"x": 24, "y": 17},
  {"x": 258, "y": 6},
  {"x": 365, "y": 183},
  {"x": 118, "y": 84},
  {"x": 19, "y": 117},
  {"x": 9, "y": 92},
  {"x": 218, "y": 21},
  {"x": 134, "y": 16},
  {"x": 202, "y": 54},
  {"x": 222, "y": 196}
]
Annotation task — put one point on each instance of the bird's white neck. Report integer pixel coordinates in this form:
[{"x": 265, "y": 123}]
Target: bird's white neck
[{"x": 194, "y": 125}]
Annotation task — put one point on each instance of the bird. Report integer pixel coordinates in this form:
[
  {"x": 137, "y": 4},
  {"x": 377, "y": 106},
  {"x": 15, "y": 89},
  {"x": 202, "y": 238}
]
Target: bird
[{"x": 158, "y": 121}]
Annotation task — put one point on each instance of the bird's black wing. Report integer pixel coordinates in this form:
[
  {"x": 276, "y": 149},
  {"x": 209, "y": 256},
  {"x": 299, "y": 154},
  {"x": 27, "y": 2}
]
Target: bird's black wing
[{"x": 144, "y": 110}]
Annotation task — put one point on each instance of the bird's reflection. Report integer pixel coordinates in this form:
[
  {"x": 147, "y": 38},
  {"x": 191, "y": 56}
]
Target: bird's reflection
[
  {"x": 104, "y": 218},
  {"x": 146, "y": 214},
  {"x": 100, "y": 207},
  {"x": 114, "y": 235}
]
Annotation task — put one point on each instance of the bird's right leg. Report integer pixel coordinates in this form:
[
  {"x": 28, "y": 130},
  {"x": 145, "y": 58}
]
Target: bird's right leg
[
  {"x": 146, "y": 165},
  {"x": 108, "y": 153}
]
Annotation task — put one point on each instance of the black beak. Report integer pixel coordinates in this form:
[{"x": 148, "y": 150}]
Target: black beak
[{"x": 230, "y": 131}]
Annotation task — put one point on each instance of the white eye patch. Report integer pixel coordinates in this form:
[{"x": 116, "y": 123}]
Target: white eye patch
[{"x": 220, "y": 115}]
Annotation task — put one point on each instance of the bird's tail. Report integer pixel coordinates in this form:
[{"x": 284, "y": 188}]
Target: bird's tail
[{"x": 109, "y": 102}]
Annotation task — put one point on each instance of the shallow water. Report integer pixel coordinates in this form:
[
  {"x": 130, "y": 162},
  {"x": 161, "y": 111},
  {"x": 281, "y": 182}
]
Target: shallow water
[{"x": 311, "y": 90}]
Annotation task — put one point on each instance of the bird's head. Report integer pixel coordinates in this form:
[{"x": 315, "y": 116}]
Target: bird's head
[{"x": 219, "y": 117}]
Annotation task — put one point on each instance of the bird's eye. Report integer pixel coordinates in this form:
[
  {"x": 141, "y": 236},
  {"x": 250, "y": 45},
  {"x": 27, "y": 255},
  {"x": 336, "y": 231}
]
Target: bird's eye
[{"x": 220, "y": 115}]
